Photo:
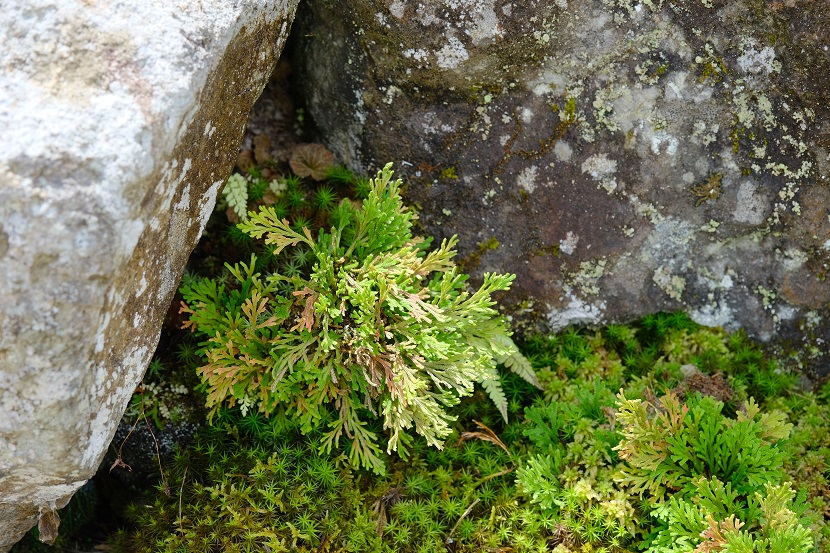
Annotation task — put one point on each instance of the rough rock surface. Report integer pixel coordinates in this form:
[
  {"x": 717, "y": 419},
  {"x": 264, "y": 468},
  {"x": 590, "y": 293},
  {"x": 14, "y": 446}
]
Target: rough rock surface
[
  {"x": 621, "y": 156},
  {"x": 118, "y": 122}
]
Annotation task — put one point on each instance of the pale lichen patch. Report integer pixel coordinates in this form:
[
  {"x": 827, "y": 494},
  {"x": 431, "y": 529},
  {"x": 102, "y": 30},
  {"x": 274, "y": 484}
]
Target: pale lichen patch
[
  {"x": 576, "y": 311},
  {"x": 391, "y": 92},
  {"x": 587, "y": 277},
  {"x": 398, "y": 9},
  {"x": 755, "y": 60},
  {"x": 714, "y": 314},
  {"x": 602, "y": 170},
  {"x": 791, "y": 258},
  {"x": 527, "y": 178},
  {"x": 568, "y": 244},
  {"x": 563, "y": 151},
  {"x": 452, "y": 54},
  {"x": 704, "y": 133},
  {"x": 663, "y": 141},
  {"x": 752, "y": 205},
  {"x": 669, "y": 283}
]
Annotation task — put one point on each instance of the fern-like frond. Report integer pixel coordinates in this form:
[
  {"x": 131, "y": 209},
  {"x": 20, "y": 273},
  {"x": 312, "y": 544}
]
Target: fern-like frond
[
  {"x": 236, "y": 194},
  {"x": 496, "y": 395}
]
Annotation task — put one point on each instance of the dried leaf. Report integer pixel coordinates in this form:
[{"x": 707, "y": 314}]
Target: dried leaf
[
  {"x": 307, "y": 318},
  {"x": 380, "y": 506},
  {"x": 262, "y": 148},
  {"x": 487, "y": 435},
  {"x": 233, "y": 218},
  {"x": 311, "y": 160},
  {"x": 379, "y": 511},
  {"x": 120, "y": 463},
  {"x": 269, "y": 198},
  {"x": 47, "y": 525},
  {"x": 245, "y": 161}
]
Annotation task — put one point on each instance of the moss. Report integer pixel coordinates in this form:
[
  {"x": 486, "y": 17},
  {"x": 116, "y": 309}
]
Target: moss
[
  {"x": 472, "y": 260},
  {"x": 710, "y": 189},
  {"x": 448, "y": 173},
  {"x": 555, "y": 476}
]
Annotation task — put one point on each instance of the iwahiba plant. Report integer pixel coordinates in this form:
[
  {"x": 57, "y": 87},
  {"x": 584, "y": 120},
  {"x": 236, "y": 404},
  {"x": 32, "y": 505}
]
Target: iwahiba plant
[
  {"x": 659, "y": 436},
  {"x": 381, "y": 327}
]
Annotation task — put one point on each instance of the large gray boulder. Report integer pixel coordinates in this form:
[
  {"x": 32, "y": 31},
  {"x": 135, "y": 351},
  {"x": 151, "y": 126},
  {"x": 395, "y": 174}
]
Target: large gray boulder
[
  {"x": 621, "y": 157},
  {"x": 118, "y": 122}
]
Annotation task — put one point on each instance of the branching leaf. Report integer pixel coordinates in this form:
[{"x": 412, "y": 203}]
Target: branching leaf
[
  {"x": 716, "y": 536},
  {"x": 387, "y": 329}
]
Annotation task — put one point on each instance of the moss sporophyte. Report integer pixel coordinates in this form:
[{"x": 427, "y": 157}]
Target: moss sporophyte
[{"x": 381, "y": 328}]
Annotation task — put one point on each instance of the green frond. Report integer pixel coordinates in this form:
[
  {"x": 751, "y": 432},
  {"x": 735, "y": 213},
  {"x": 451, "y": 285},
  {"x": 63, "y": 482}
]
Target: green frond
[
  {"x": 235, "y": 193},
  {"x": 381, "y": 330}
]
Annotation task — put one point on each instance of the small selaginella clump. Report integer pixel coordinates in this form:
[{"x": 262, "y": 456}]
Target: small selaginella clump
[{"x": 381, "y": 327}]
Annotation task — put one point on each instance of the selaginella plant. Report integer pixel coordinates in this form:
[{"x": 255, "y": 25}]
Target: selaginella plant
[
  {"x": 668, "y": 444},
  {"x": 717, "y": 483},
  {"x": 381, "y": 328},
  {"x": 686, "y": 472}
]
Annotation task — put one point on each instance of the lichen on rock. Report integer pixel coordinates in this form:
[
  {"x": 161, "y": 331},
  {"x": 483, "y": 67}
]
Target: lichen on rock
[
  {"x": 703, "y": 114},
  {"x": 116, "y": 138}
]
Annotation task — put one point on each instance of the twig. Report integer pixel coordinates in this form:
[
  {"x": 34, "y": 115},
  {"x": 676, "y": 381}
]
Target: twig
[
  {"x": 494, "y": 475},
  {"x": 464, "y": 514},
  {"x": 181, "y": 491},
  {"x": 158, "y": 456},
  {"x": 119, "y": 461}
]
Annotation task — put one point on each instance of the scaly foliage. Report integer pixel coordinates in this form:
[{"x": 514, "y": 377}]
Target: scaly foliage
[
  {"x": 668, "y": 445},
  {"x": 715, "y": 519},
  {"x": 687, "y": 460},
  {"x": 570, "y": 476},
  {"x": 380, "y": 327}
]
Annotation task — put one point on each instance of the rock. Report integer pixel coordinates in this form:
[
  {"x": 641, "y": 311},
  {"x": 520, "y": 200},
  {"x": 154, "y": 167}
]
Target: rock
[
  {"x": 627, "y": 156},
  {"x": 118, "y": 122}
]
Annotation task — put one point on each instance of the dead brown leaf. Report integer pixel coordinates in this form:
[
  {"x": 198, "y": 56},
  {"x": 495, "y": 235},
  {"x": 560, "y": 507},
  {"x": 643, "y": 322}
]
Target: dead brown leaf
[
  {"x": 47, "y": 526},
  {"x": 262, "y": 148},
  {"x": 245, "y": 161},
  {"x": 233, "y": 218},
  {"x": 380, "y": 506},
  {"x": 485, "y": 434},
  {"x": 120, "y": 463},
  {"x": 307, "y": 318},
  {"x": 311, "y": 160}
]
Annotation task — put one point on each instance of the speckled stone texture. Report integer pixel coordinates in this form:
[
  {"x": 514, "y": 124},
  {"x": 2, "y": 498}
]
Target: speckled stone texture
[
  {"x": 627, "y": 156},
  {"x": 118, "y": 121}
]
